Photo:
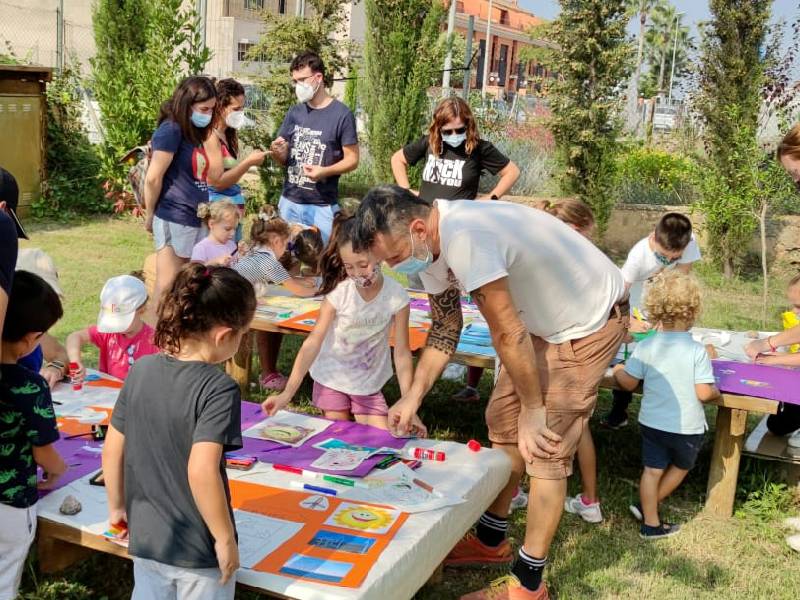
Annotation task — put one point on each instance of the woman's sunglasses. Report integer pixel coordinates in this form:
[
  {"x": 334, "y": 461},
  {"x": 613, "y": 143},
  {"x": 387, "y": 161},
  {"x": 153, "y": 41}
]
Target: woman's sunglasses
[{"x": 458, "y": 131}]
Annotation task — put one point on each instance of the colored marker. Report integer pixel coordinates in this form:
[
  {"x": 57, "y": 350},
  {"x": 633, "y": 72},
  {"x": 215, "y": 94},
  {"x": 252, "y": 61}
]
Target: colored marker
[
  {"x": 313, "y": 475},
  {"x": 288, "y": 469},
  {"x": 299, "y": 485},
  {"x": 423, "y": 485},
  {"x": 425, "y": 454}
]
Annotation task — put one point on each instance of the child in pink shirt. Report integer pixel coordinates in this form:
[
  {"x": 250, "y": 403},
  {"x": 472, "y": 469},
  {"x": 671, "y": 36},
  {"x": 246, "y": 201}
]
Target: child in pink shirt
[
  {"x": 221, "y": 218},
  {"x": 121, "y": 335}
]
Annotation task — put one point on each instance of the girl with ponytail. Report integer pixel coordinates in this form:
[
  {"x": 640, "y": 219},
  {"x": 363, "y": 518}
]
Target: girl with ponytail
[
  {"x": 348, "y": 351},
  {"x": 176, "y": 415}
]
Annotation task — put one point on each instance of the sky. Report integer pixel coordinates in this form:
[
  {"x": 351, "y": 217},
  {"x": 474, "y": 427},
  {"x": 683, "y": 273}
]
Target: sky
[{"x": 696, "y": 10}]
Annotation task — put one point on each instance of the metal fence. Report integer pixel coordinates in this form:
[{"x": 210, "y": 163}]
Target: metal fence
[{"x": 41, "y": 32}]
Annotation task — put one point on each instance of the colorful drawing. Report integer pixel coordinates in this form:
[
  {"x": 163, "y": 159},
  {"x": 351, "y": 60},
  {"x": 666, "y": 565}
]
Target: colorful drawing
[
  {"x": 363, "y": 517},
  {"x": 284, "y": 433},
  {"x": 341, "y": 459},
  {"x": 332, "y": 540},
  {"x": 754, "y": 383},
  {"x": 264, "y": 536},
  {"x": 319, "y": 503},
  {"x": 309, "y": 567}
]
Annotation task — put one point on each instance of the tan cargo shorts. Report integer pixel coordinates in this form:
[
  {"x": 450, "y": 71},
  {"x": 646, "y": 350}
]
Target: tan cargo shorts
[{"x": 569, "y": 375}]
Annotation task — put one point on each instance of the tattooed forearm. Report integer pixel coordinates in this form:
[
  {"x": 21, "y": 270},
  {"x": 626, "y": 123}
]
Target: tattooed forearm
[{"x": 446, "y": 321}]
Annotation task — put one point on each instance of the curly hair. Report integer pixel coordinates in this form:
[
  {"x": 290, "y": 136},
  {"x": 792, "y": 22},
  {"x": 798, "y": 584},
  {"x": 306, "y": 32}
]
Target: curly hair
[
  {"x": 671, "y": 297},
  {"x": 267, "y": 223},
  {"x": 571, "y": 211},
  {"x": 200, "y": 298},
  {"x": 330, "y": 264},
  {"x": 216, "y": 210}
]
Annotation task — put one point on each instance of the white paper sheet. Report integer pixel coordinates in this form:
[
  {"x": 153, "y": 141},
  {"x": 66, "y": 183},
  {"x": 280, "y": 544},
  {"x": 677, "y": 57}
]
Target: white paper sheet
[{"x": 260, "y": 536}]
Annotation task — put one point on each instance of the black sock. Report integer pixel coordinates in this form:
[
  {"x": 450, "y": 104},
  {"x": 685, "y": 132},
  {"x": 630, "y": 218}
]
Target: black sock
[
  {"x": 529, "y": 570},
  {"x": 491, "y": 529}
]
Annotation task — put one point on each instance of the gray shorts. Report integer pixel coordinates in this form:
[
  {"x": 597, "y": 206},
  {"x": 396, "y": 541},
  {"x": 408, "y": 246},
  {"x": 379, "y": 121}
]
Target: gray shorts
[
  {"x": 181, "y": 238},
  {"x": 156, "y": 581}
]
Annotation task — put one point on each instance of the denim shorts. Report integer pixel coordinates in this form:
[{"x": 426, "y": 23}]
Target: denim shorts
[
  {"x": 663, "y": 448},
  {"x": 181, "y": 238},
  {"x": 309, "y": 214}
]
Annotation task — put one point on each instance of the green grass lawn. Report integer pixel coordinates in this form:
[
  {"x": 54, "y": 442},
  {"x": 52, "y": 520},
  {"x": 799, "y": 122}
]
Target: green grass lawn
[{"x": 742, "y": 557}]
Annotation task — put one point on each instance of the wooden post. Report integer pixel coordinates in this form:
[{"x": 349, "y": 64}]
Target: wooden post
[
  {"x": 56, "y": 555},
  {"x": 239, "y": 366},
  {"x": 724, "y": 471}
]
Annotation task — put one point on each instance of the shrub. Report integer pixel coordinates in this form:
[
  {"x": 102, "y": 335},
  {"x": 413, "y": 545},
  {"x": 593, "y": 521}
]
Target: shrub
[
  {"x": 649, "y": 176},
  {"x": 73, "y": 165}
]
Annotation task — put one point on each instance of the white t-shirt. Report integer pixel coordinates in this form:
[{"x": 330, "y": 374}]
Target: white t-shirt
[
  {"x": 355, "y": 357},
  {"x": 563, "y": 286},
  {"x": 641, "y": 265}
]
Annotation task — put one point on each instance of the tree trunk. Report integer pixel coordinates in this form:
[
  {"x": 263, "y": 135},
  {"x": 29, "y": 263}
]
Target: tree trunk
[
  {"x": 727, "y": 266},
  {"x": 661, "y": 72},
  {"x": 634, "y": 118},
  {"x": 640, "y": 52},
  {"x": 762, "y": 225}
]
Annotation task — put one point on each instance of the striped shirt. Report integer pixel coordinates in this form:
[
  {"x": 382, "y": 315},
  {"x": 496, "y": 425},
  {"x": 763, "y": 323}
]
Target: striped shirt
[{"x": 261, "y": 266}]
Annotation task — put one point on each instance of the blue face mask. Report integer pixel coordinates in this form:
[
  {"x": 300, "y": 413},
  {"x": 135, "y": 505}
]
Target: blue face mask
[
  {"x": 454, "y": 140},
  {"x": 200, "y": 120},
  {"x": 413, "y": 265},
  {"x": 664, "y": 260}
]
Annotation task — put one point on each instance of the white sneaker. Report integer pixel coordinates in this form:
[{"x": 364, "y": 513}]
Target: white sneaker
[
  {"x": 590, "y": 513},
  {"x": 794, "y": 440},
  {"x": 794, "y": 542},
  {"x": 520, "y": 500},
  {"x": 792, "y": 523}
]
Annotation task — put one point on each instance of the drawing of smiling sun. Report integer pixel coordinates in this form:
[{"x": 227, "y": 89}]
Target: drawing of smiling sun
[{"x": 363, "y": 517}]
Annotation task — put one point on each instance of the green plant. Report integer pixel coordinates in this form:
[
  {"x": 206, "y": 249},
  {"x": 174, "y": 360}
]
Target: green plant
[
  {"x": 652, "y": 176},
  {"x": 144, "y": 48},
  {"x": 351, "y": 89},
  {"x": 73, "y": 166},
  {"x": 398, "y": 70},
  {"x": 592, "y": 63},
  {"x": 283, "y": 38}
]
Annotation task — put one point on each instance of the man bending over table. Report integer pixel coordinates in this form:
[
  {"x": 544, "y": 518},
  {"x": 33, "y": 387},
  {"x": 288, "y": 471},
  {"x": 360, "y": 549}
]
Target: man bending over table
[{"x": 553, "y": 303}]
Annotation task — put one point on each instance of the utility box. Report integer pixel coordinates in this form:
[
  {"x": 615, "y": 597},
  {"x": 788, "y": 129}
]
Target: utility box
[{"x": 23, "y": 109}]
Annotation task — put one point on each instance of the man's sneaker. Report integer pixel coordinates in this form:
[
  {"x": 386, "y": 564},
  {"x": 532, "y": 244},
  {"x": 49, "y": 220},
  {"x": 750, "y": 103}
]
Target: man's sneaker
[
  {"x": 665, "y": 530},
  {"x": 468, "y": 394},
  {"x": 636, "y": 511},
  {"x": 588, "y": 512},
  {"x": 615, "y": 421},
  {"x": 520, "y": 500},
  {"x": 470, "y": 551},
  {"x": 508, "y": 587}
]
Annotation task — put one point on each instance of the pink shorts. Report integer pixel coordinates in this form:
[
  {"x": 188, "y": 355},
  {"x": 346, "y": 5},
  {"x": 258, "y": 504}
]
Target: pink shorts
[{"x": 325, "y": 398}]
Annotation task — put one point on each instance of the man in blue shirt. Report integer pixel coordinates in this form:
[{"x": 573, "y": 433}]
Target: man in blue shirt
[{"x": 317, "y": 143}]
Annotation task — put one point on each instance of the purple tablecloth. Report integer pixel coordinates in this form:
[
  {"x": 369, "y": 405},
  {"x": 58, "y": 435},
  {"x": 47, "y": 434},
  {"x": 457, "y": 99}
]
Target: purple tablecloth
[{"x": 761, "y": 381}]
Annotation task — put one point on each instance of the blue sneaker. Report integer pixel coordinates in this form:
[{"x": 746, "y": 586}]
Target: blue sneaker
[{"x": 665, "y": 530}]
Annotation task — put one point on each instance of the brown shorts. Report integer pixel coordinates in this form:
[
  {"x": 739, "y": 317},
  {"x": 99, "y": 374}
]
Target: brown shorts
[{"x": 569, "y": 374}]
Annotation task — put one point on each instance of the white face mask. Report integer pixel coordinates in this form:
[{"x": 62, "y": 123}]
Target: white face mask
[
  {"x": 235, "y": 119},
  {"x": 305, "y": 91},
  {"x": 454, "y": 140}
]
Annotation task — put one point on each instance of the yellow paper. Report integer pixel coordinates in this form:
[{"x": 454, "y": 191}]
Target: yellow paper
[{"x": 790, "y": 320}]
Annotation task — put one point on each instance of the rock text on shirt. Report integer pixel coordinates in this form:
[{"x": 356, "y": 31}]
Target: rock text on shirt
[
  {"x": 307, "y": 149},
  {"x": 444, "y": 171}
]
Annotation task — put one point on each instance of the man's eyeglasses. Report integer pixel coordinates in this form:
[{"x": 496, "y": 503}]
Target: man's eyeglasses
[
  {"x": 295, "y": 82},
  {"x": 457, "y": 131}
]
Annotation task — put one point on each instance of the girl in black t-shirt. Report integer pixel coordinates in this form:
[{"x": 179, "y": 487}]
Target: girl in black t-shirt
[{"x": 455, "y": 157}]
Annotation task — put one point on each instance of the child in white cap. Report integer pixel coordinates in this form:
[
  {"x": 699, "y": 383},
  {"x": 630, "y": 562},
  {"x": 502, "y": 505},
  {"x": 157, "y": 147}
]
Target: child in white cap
[{"x": 121, "y": 335}]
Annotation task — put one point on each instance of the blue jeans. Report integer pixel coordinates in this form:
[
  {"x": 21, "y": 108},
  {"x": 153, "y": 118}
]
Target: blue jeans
[{"x": 309, "y": 214}]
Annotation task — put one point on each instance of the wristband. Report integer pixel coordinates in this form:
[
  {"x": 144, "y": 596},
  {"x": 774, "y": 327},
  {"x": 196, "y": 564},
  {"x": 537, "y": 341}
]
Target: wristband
[{"x": 57, "y": 364}]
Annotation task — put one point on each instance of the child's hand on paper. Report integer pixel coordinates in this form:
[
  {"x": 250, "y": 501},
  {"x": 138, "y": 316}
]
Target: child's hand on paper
[
  {"x": 227, "y": 557},
  {"x": 274, "y": 403}
]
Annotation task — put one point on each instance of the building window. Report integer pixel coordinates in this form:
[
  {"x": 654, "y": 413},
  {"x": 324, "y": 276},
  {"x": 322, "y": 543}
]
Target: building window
[
  {"x": 243, "y": 51},
  {"x": 504, "y": 17},
  {"x": 282, "y": 7},
  {"x": 254, "y": 4}
]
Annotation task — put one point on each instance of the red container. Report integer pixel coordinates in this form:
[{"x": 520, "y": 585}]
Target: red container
[{"x": 74, "y": 369}]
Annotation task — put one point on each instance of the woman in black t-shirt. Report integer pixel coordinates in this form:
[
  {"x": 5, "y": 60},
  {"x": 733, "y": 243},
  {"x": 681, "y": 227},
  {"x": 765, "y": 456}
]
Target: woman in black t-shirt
[{"x": 455, "y": 158}]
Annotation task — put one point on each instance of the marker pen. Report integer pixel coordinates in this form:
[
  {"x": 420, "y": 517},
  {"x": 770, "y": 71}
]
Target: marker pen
[{"x": 299, "y": 485}]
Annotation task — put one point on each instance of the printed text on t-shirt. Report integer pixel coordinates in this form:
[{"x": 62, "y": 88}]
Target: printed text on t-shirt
[
  {"x": 444, "y": 171},
  {"x": 307, "y": 149}
]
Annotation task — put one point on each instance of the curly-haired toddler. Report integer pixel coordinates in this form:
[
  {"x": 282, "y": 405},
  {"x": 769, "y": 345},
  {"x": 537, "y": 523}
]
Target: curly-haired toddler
[{"x": 677, "y": 378}]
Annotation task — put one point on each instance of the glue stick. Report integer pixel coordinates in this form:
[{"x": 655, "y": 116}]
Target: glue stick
[
  {"x": 74, "y": 369},
  {"x": 425, "y": 454}
]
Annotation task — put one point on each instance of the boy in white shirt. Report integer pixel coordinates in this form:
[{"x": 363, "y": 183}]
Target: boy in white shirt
[{"x": 671, "y": 245}]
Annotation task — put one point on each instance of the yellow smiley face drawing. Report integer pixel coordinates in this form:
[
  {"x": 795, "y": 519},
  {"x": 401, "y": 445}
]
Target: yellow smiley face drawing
[{"x": 363, "y": 517}]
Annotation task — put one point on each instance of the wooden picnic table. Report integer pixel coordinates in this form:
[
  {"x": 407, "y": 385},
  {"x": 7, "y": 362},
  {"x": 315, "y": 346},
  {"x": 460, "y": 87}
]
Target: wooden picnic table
[{"x": 731, "y": 421}]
